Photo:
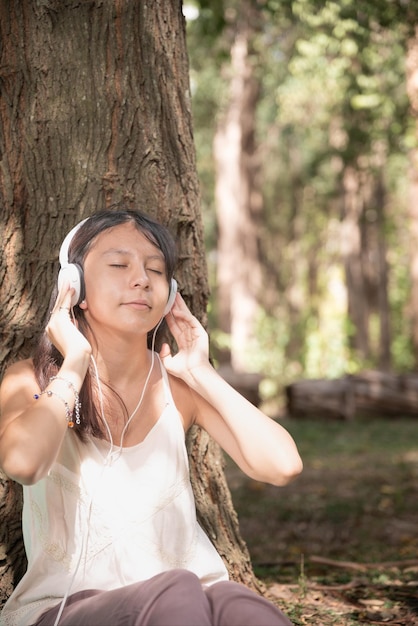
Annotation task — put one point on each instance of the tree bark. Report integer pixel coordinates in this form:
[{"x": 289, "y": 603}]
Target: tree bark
[{"x": 94, "y": 109}]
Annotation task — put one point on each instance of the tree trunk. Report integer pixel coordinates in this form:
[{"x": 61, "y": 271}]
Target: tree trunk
[
  {"x": 95, "y": 108},
  {"x": 412, "y": 88},
  {"x": 352, "y": 254},
  {"x": 364, "y": 252},
  {"x": 238, "y": 199},
  {"x": 385, "y": 336}
]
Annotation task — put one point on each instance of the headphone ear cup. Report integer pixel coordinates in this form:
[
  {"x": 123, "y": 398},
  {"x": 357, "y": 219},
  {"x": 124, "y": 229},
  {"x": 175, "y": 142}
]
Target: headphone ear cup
[
  {"x": 73, "y": 274},
  {"x": 171, "y": 296}
]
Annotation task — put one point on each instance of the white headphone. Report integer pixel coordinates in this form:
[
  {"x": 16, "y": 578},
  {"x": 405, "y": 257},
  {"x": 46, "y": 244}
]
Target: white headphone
[
  {"x": 171, "y": 296},
  {"x": 73, "y": 273}
]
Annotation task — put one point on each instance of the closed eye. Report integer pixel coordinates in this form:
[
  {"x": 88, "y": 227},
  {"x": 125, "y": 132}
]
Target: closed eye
[{"x": 117, "y": 265}]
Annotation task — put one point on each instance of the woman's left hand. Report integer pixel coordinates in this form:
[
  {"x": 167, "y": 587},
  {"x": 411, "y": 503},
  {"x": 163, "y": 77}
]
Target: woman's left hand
[
  {"x": 191, "y": 338},
  {"x": 261, "y": 447}
]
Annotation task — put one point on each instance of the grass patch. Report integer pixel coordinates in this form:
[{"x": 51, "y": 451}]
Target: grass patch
[{"x": 355, "y": 502}]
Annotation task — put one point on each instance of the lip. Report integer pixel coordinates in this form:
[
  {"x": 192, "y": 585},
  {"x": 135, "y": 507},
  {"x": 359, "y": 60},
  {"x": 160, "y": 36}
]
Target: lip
[{"x": 141, "y": 305}]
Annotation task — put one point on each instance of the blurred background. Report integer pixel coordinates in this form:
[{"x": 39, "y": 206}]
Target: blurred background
[
  {"x": 305, "y": 123},
  {"x": 306, "y": 138}
]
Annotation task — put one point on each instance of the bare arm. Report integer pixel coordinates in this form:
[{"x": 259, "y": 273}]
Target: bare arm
[
  {"x": 32, "y": 431},
  {"x": 262, "y": 448}
]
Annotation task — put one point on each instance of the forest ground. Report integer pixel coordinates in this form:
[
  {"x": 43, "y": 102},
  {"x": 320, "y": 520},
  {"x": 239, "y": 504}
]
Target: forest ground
[{"x": 339, "y": 545}]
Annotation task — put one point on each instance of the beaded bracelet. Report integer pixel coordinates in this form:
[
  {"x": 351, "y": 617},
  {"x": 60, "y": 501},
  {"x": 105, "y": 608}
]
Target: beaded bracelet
[
  {"x": 77, "y": 404},
  {"x": 68, "y": 411}
]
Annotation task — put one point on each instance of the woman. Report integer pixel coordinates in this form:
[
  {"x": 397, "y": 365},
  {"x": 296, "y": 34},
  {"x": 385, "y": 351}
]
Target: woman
[{"x": 94, "y": 426}]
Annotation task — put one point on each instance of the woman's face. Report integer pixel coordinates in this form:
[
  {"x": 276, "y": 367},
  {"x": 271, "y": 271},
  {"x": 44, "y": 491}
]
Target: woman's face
[{"x": 125, "y": 279}]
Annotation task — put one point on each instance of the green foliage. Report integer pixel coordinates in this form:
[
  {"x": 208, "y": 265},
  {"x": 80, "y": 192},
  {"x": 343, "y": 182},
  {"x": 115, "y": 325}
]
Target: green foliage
[
  {"x": 333, "y": 95},
  {"x": 211, "y": 19}
]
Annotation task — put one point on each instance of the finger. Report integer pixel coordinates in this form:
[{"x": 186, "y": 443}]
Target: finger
[
  {"x": 179, "y": 304},
  {"x": 165, "y": 350},
  {"x": 63, "y": 300},
  {"x": 66, "y": 303},
  {"x": 173, "y": 306},
  {"x": 179, "y": 328},
  {"x": 180, "y": 312}
]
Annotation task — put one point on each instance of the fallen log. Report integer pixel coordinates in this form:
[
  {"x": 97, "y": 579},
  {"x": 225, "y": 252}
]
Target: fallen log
[{"x": 366, "y": 393}]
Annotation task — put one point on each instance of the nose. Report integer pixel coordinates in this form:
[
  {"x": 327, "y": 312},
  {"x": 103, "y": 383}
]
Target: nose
[{"x": 140, "y": 277}]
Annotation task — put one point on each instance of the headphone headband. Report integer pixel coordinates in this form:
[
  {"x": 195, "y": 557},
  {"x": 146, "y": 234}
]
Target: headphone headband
[{"x": 63, "y": 255}]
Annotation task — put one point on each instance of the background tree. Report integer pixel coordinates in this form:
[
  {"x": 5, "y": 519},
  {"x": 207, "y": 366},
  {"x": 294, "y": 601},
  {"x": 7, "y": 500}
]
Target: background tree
[
  {"x": 95, "y": 109},
  {"x": 237, "y": 192},
  {"x": 412, "y": 87}
]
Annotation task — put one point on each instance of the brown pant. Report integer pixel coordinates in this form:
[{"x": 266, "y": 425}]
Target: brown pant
[{"x": 174, "y": 598}]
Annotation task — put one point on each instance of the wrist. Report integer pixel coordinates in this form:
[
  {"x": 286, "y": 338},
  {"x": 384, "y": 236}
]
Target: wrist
[
  {"x": 201, "y": 376},
  {"x": 74, "y": 369}
]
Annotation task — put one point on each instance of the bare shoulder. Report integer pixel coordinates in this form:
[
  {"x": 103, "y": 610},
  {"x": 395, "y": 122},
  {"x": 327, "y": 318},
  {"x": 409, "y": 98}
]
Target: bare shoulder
[
  {"x": 17, "y": 388},
  {"x": 19, "y": 372}
]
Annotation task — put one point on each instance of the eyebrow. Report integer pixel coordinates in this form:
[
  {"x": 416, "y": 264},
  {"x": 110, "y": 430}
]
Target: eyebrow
[{"x": 158, "y": 256}]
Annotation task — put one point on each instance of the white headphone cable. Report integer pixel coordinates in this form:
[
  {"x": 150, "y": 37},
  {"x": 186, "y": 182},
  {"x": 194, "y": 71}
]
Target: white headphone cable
[{"x": 120, "y": 447}]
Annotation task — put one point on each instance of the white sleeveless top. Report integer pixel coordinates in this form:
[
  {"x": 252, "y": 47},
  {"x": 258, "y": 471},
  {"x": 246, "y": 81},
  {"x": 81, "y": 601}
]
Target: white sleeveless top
[{"x": 91, "y": 525}]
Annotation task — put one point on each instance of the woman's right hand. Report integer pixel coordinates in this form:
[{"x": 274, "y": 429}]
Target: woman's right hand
[
  {"x": 62, "y": 329},
  {"x": 33, "y": 424}
]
